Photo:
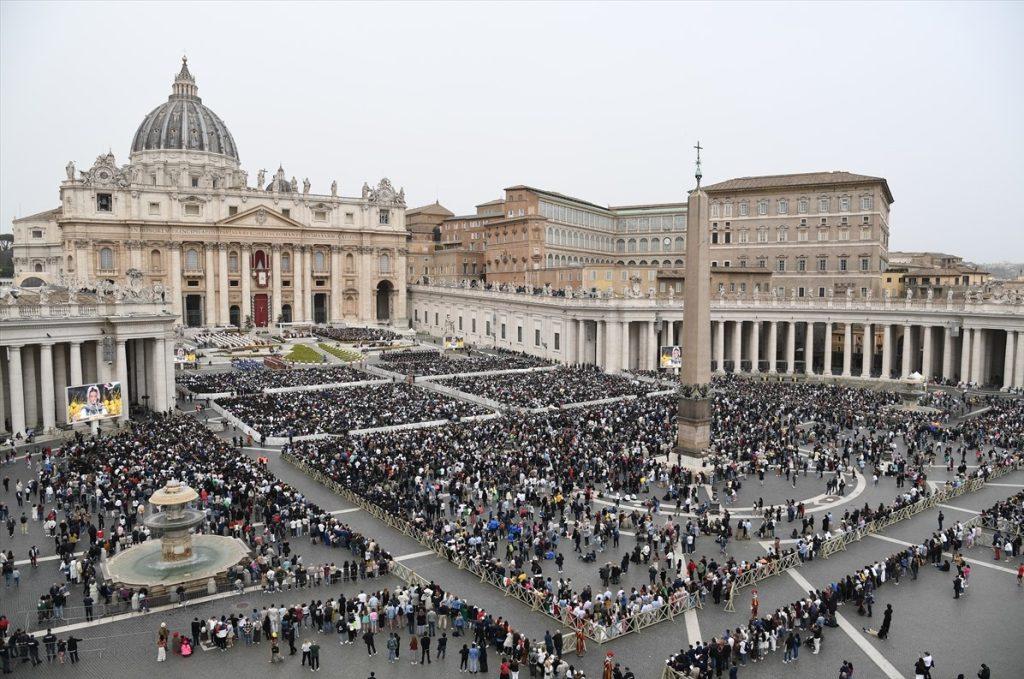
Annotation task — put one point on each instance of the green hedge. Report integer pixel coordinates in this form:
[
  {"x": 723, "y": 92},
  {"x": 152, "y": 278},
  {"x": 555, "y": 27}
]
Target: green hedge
[{"x": 302, "y": 353}]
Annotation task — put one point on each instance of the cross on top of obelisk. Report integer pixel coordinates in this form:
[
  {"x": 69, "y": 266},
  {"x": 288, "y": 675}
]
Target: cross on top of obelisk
[{"x": 698, "y": 173}]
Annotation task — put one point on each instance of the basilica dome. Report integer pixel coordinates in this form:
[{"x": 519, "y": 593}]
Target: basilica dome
[{"x": 183, "y": 123}]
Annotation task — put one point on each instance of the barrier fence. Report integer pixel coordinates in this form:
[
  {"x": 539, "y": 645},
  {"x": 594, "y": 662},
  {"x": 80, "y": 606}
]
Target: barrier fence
[{"x": 678, "y": 603}]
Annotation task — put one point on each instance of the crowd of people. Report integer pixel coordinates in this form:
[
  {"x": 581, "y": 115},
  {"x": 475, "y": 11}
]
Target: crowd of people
[
  {"x": 358, "y": 336},
  {"x": 338, "y": 411},
  {"x": 430, "y": 362},
  {"x": 564, "y": 385},
  {"x": 254, "y": 380}
]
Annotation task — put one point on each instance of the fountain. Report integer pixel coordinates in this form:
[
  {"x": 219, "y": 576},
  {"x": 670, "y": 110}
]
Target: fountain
[{"x": 178, "y": 557}]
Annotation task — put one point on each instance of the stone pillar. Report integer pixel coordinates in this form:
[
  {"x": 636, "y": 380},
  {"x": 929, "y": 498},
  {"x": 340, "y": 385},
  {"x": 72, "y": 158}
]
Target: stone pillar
[
  {"x": 171, "y": 395},
  {"x": 223, "y": 284},
  {"x": 773, "y": 346},
  {"x": 60, "y": 381},
  {"x": 947, "y": 353},
  {"x": 4, "y": 399},
  {"x": 965, "y": 354},
  {"x": 275, "y": 276},
  {"x": 31, "y": 385},
  {"x": 367, "y": 294},
  {"x": 101, "y": 365},
  {"x": 141, "y": 383},
  {"x": 613, "y": 346},
  {"x": 307, "y": 284},
  {"x": 847, "y": 348},
  {"x": 926, "y": 351},
  {"x": 174, "y": 278},
  {"x": 867, "y": 350},
  {"x": 401, "y": 272},
  {"x": 809, "y": 348},
  {"x": 737, "y": 346},
  {"x": 159, "y": 361},
  {"x": 211, "y": 288},
  {"x": 581, "y": 341},
  {"x": 336, "y": 278},
  {"x": 1008, "y": 356},
  {"x": 977, "y": 366},
  {"x": 908, "y": 341},
  {"x": 719, "y": 346},
  {"x": 790, "y": 347},
  {"x": 76, "y": 364},
  {"x": 1018, "y": 363},
  {"x": 600, "y": 330},
  {"x": 16, "y": 390},
  {"x": 827, "y": 356},
  {"x": 755, "y": 347},
  {"x": 298, "y": 282},
  {"x": 626, "y": 349},
  {"x": 122, "y": 375},
  {"x": 652, "y": 347},
  {"x": 245, "y": 309},
  {"x": 46, "y": 385}
]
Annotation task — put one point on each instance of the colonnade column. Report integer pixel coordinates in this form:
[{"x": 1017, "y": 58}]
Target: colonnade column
[
  {"x": 60, "y": 381},
  {"x": 977, "y": 368},
  {"x": 926, "y": 351},
  {"x": 773, "y": 345},
  {"x": 965, "y": 354},
  {"x": 886, "y": 351},
  {"x": 31, "y": 390},
  {"x": 222, "y": 276},
  {"x": 790, "y": 347},
  {"x": 46, "y": 385},
  {"x": 1008, "y": 355},
  {"x": 847, "y": 348},
  {"x": 613, "y": 346},
  {"x": 76, "y": 363},
  {"x": 809, "y": 348},
  {"x": 826, "y": 369},
  {"x": 625, "y": 365},
  {"x": 755, "y": 347},
  {"x": 600, "y": 330},
  {"x": 122, "y": 376},
  {"x": 581, "y": 341},
  {"x": 275, "y": 275},
  {"x": 17, "y": 390},
  {"x": 737, "y": 346},
  {"x": 947, "y": 353},
  {"x": 245, "y": 310},
  {"x": 211, "y": 287},
  {"x": 1018, "y": 364},
  {"x": 652, "y": 347},
  {"x": 908, "y": 340},
  {"x": 141, "y": 383},
  {"x": 159, "y": 361},
  {"x": 298, "y": 283},
  {"x": 867, "y": 351},
  {"x": 719, "y": 346}
]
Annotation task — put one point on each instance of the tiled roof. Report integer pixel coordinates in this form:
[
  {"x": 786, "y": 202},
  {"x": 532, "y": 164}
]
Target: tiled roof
[{"x": 780, "y": 181}]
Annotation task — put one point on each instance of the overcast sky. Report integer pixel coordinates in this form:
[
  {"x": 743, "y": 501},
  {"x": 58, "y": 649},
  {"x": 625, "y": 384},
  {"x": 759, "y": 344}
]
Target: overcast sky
[{"x": 601, "y": 101}]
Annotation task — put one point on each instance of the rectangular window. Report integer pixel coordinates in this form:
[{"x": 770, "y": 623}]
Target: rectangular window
[
  {"x": 865, "y": 203},
  {"x": 154, "y": 208},
  {"x": 762, "y": 207},
  {"x": 762, "y": 235},
  {"x": 558, "y": 342},
  {"x": 802, "y": 206},
  {"x": 844, "y": 204},
  {"x": 487, "y": 327},
  {"x": 783, "y": 235},
  {"x": 192, "y": 209},
  {"x": 460, "y": 322},
  {"x": 416, "y": 315},
  {"x": 37, "y": 233},
  {"x": 472, "y": 325},
  {"x": 780, "y": 265},
  {"x": 286, "y": 212},
  {"x": 842, "y": 263},
  {"x": 822, "y": 264},
  {"x": 104, "y": 202},
  {"x": 435, "y": 318},
  {"x": 801, "y": 265},
  {"x": 744, "y": 209},
  {"x": 822, "y": 235},
  {"x": 863, "y": 292},
  {"x": 801, "y": 235},
  {"x": 783, "y": 207},
  {"x": 728, "y": 236},
  {"x": 385, "y": 217},
  {"x": 195, "y": 182},
  {"x": 536, "y": 338},
  {"x": 821, "y": 292},
  {"x": 232, "y": 210},
  {"x": 728, "y": 209},
  {"x": 502, "y": 331},
  {"x": 865, "y": 263},
  {"x": 349, "y": 217},
  {"x": 823, "y": 205},
  {"x": 319, "y": 215},
  {"x": 744, "y": 236}
]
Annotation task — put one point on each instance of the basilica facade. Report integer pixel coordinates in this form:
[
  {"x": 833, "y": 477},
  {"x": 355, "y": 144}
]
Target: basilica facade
[{"x": 183, "y": 214}]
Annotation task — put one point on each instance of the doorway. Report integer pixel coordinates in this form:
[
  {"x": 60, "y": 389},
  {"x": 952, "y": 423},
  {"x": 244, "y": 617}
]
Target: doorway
[
  {"x": 384, "y": 289},
  {"x": 261, "y": 310},
  {"x": 194, "y": 311},
  {"x": 320, "y": 307}
]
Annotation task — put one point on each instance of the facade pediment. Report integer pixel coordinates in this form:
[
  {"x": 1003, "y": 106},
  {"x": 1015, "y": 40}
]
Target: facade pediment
[{"x": 262, "y": 217}]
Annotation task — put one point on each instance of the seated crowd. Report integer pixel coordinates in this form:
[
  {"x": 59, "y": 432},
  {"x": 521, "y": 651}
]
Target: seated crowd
[
  {"x": 254, "y": 379},
  {"x": 557, "y": 387},
  {"x": 358, "y": 336},
  {"x": 428, "y": 362}
]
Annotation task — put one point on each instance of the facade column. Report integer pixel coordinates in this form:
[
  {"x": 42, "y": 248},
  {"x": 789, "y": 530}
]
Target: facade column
[
  {"x": 400, "y": 293},
  {"x": 76, "y": 364},
  {"x": 159, "y": 360},
  {"x": 245, "y": 309},
  {"x": 626, "y": 349},
  {"x": 46, "y": 385},
  {"x": 275, "y": 275},
  {"x": 336, "y": 302},
  {"x": 887, "y": 351},
  {"x": 211, "y": 288},
  {"x": 719, "y": 346},
  {"x": 581, "y": 341},
  {"x": 755, "y": 347},
  {"x": 17, "y": 390},
  {"x": 947, "y": 353},
  {"x": 298, "y": 282},
  {"x": 307, "y": 284},
  {"x": 965, "y": 354},
  {"x": 1008, "y": 356},
  {"x": 28, "y": 375},
  {"x": 60, "y": 381},
  {"x": 652, "y": 347},
  {"x": 167, "y": 355},
  {"x": 139, "y": 358},
  {"x": 600, "y": 330},
  {"x": 847, "y": 348},
  {"x": 908, "y": 340},
  {"x": 773, "y": 345},
  {"x": 867, "y": 350},
  {"x": 122, "y": 374},
  {"x": 737, "y": 346},
  {"x": 926, "y": 352},
  {"x": 613, "y": 346},
  {"x": 1018, "y": 364},
  {"x": 101, "y": 366},
  {"x": 809, "y": 348},
  {"x": 790, "y": 347},
  {"x": 174, "y": 274},
  {"x": 826, "y": 369},
  {"x": 367, "y": 295},
  {"x": 977, "y": 367},
  {"x": 224, "y": 311}
]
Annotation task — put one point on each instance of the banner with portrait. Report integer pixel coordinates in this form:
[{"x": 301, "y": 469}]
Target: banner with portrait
[
  {"x": 454, "y": 342},
  {"x": 671, "y": 357},
  {"x": 92, "y": 402}
]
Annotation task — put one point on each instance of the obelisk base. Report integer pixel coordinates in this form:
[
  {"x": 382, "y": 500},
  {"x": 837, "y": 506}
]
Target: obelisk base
[{"x": 693, "y": 423}]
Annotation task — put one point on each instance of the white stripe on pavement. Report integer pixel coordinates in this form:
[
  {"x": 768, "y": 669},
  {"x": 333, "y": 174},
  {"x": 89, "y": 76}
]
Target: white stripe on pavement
[
  {"x": 975, "y": 562},
  {"x": 888, "y": 669},
  {"x": 414, "y": 555},
  {"x": 1006, "y": 485},
  {"x": 692, "y": 626},
  {"x": 960, "y": 509}
]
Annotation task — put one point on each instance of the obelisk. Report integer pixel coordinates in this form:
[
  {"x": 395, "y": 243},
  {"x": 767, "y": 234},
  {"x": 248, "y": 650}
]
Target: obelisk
[{"x": 694, "y": 403}]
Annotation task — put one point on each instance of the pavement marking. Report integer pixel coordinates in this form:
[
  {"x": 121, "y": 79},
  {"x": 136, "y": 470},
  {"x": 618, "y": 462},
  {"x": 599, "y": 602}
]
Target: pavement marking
[
  {"x": 1006, "y": 485},
  {"x": 960, "y": 509},
  {"x": 692, "y": 626},
  {"x": 888, "y": 669},
  {"x": 975, "y": 562},
  {"x": 414, "y": 555}
]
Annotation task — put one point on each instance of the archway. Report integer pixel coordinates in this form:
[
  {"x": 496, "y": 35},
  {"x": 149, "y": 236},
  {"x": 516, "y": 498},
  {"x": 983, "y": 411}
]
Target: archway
[{"x": 384, "y": 289}]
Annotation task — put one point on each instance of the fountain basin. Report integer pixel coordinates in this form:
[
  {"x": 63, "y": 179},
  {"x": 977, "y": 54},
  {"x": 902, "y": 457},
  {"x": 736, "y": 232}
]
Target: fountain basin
[{"x": 145, "y": 565}]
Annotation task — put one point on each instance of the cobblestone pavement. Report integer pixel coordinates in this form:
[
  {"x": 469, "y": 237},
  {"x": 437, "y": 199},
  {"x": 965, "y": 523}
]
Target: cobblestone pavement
[{"x": 984, "y": 626}]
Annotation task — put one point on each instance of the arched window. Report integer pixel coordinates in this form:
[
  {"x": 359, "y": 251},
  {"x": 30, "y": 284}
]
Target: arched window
[
  {"x": 319, "y": 261},
  {"x": 233, "y": 262},
  {"x": 38, "y": 267},
  {"x": 71, "y": 263},
  {"x": 350, "y": 263},
  {"x": 620, "y": 245},
  {"x": 680, "y": 243},
  {"x": 155, "y": 263},
  {"x": 106, "y": 259},
  {"x": 385, "y": 263},
  {"x": 643, "y": 245},
  {"x": 286, "y": 262},
  {"x": 655, "y": 245},
  {"x": 631, "y": 245},
  {"x": 192, "y": 260}
]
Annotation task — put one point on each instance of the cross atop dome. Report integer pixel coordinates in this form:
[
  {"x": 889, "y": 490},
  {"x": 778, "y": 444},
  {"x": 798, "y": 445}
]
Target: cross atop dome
[{"x": 185, "y": 82}]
